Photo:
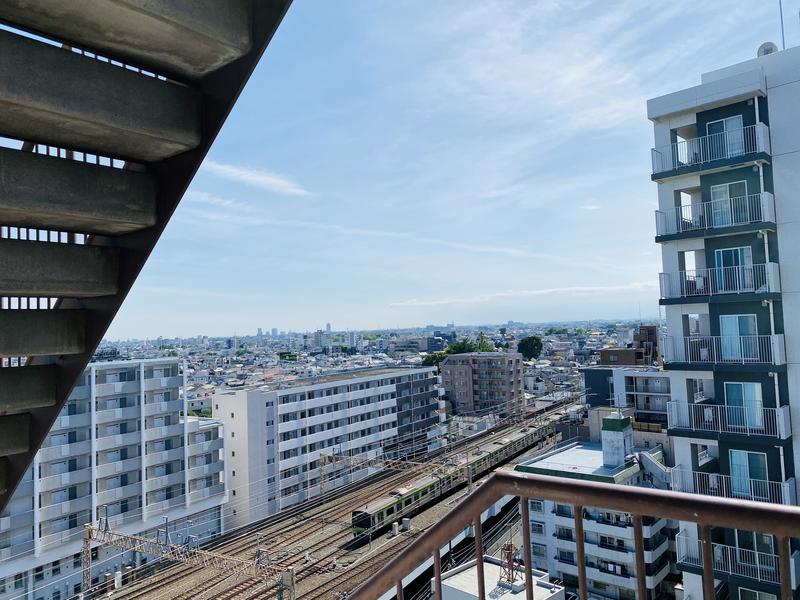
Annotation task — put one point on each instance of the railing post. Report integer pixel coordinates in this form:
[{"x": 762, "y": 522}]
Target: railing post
[
  {"x": 526, "y": 541},
  {"x": 479, "y": 558},
  {"x": 580, "y": 550},
  {"x": 437, "y": 573},
  {"x": 709, "y": 592},
  {"x": 641, "y": 575},
  {"x": 784, "y": 556}
]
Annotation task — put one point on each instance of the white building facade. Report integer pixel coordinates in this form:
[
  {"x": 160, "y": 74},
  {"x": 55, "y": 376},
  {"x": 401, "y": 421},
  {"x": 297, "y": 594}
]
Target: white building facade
[
  {"x": 120, "y": 448},
  {"x": 290, "y": 444},
  {"x": 727, "y": 165},
  {"x": 609, "y": 536}
]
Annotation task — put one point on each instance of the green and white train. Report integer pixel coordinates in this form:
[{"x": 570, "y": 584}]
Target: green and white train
[{"x": 418, "y": 494}]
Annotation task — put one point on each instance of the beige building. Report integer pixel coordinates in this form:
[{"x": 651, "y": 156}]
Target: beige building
[{"x": 484, "y": 382}]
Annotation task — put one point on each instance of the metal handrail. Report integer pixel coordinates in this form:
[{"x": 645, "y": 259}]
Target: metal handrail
[{"x": 706, "y": 512}]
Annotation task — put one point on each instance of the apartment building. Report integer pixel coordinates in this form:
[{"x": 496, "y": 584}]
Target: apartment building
[
  {"x": 644, "y": 389},
  {"x": 292, "y": 441},
  {"x": 120, "y": 448},
  {"x": 727, "y": 164},
  {"x": 484, "y": 382},
  {"x": 643, "y": 350},
  {"x": 609, "y": 535}
]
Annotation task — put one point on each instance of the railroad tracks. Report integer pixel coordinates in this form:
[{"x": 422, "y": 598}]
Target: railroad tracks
[{"x": 305, "y": 522}]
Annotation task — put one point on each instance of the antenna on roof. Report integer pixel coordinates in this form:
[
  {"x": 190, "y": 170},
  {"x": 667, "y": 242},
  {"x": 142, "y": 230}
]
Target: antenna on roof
[{"x": 783, "y": 34}]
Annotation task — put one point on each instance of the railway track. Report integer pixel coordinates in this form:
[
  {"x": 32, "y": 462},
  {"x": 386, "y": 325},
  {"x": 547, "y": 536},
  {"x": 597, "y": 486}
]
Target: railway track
[{"x": 303, "y": 522}]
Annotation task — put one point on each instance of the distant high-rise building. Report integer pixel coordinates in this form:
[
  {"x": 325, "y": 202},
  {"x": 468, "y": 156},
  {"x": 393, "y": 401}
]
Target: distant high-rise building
[
  {"x": 486, "y": 382},
  {"x": 274, "y": 332},
  {"x": 328, "y": 327}
]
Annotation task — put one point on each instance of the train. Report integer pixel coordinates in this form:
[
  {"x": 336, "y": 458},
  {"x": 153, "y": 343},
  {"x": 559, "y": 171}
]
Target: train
[{"x": 409, "y": 499}]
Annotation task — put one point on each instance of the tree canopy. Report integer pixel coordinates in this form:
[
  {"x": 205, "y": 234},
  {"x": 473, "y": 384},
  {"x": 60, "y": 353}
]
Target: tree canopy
[{"x": 530, "y": 347}]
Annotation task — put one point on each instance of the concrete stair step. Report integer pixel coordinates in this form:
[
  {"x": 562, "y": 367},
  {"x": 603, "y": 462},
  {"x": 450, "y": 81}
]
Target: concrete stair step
[
  {"x": 184, "y": 38},
  {"x": 57, "y": 270},
  {"x": 92, "y": 106},
  {"x": 25, "y": 388},
  {"x": 15, "y": 434},
  {"x": 46, "y": 332},
  {"x": 66, "y": 195}
]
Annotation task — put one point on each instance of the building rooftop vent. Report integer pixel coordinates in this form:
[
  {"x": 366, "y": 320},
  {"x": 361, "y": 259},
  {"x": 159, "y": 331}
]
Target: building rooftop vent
[{"x": 767, "y": 48}]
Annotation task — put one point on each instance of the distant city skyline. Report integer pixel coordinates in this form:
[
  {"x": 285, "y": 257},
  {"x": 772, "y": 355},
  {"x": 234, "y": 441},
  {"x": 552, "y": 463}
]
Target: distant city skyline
[
  {"x": 253, "y": 332},
  {"x": 496, "y": 166}
]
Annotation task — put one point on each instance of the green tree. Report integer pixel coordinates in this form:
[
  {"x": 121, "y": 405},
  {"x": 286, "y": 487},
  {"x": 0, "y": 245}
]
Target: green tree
[
  {"x": 484, "y": 345},
  {"x": 530, "y": 347},
  {"x": 434, "y": 358},
  {"x": 462, "y": 346}
]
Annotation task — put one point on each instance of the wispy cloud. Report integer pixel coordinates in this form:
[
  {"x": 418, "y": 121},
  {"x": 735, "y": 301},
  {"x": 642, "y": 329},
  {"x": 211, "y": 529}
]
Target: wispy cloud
[
  {"x": 591, "y": 206},
  {"x": 511, "y": 294},
  {"x": 265, "y": 180},
  {"x": 216, "y": 210}
]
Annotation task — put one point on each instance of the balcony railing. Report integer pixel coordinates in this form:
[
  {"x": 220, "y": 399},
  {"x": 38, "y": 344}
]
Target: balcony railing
[
  {"x": 732, "y": 560},
  {"x": 726, "y": 486},
  {"x": 752, "y": 279},
  {"x": 714, "y": 349},
  {"x": 717, "y": 214},
  {"x": 721, "y": 146},
  {"x": 430, "y": 546},
  {"x": 743, "y": 420}
]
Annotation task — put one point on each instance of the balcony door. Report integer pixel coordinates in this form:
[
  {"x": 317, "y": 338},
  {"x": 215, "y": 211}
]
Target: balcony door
[
  {"x": 749, "y": 475},
  {"x": 725, "y": 138},
  {"x": 738, "y": 337},
  {"x": 745, "y": 409},
  {"x": 756, "y": 549},
  {"x": 734, "y": 270},
  {"x": 729, "y": 204}
]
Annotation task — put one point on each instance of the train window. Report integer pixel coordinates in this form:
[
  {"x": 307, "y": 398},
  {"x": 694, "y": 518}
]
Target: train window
[{"x": 389, "y": 510}]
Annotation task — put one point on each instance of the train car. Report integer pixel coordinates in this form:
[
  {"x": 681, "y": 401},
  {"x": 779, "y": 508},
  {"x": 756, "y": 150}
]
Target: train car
[{"x": 417, "y": 494}]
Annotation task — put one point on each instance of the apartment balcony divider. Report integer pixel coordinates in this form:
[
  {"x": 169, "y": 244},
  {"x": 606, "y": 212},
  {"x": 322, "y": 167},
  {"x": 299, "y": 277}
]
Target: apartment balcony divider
[
  {"x": 732, "y": 560},
  {"x": 723, "y": 146},
  {"x": 716, "y": 214},
  {"x": 748, "y": 279},
  {"x": 428, "y": 548},
  {"x": 716, "y": 349},
  {"x": 743, "y": 487},
  {"x": 742, "y": 420}
]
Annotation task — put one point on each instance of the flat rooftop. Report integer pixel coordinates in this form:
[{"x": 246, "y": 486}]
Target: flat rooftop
[
  {"x": 465, "y": 580},
  {"x": 582, "y": 460},
  {"x": 330, "y": 378}
]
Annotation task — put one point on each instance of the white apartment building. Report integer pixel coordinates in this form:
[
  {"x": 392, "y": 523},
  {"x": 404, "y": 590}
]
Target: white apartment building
[
  {"x": 727, "y": 164},
  {"x": 609, "y": 536},
  {"x": 121, "y": 447},
  {"x": 278, "y": 437}
]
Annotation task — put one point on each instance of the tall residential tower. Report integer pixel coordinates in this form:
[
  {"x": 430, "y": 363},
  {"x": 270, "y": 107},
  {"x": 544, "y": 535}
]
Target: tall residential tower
[{"x": 727, "y": 165}]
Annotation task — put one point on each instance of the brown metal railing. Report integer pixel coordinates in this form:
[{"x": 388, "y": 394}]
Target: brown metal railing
[{"x": 707, "y": 512}]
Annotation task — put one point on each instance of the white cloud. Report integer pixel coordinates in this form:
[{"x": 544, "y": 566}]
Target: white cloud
[
  {"x": 226, "y": 212},
  {"x": 266, "y": 180},
  {"x": 511, "y": 294},
  {"x": 591, "y": 206}
]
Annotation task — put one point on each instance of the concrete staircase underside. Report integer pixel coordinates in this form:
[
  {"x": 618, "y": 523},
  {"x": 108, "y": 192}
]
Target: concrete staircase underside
[{"x": 109, "y": 107}]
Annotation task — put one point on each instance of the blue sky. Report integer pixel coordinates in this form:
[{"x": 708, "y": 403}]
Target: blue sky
[{"x": 401, "y": 163}]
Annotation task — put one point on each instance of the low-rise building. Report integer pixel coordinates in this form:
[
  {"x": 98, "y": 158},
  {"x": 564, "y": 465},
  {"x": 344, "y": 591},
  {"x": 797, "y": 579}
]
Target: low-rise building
[
  {"x": 292, "y": 441},
  {"x": 122, "y": 449},
  {"x": 461, "y": 583}
]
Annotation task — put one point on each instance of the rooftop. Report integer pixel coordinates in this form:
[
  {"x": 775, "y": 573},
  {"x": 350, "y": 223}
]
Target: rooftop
[
  {"x": 331, "y": 378},
  {"x": 464, "y": 580},
  {"x": 581, "y": 460}
]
